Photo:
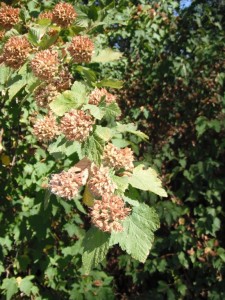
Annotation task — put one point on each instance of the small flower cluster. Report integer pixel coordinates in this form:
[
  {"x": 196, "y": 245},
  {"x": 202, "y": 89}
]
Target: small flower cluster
[
  {"x": 16, "y": 51},
  {"x": 46, "y": 129},
  {"x": 100, "y": 182},
  {"x": 67, "y": 183},
  {"x": 108, "y": 213},
  {"x": 64, "y": 14},
  {"x": 76, "y": 125},
  {"x": 98, "y": 94},
  {"x": 45, "y": 64},
  {"x": 81, "y": 49},
  {"x": 9, "y": 16},
  {"x": 118, "y": 158}
]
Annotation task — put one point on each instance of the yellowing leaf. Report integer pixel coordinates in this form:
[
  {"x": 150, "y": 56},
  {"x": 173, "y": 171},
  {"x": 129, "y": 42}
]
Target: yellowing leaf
[
  {"x": 5, "y": 159},
  {"x": 147, "y": 180},
  {"x": 88, "y": 198}
]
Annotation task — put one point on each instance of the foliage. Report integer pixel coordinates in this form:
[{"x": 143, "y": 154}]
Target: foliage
[
  {"x": 48, "y": 247},
  {"x": 173, "y": 87}
]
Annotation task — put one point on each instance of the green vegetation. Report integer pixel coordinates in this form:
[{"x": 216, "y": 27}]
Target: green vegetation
[{"x": 166, "y": 66}]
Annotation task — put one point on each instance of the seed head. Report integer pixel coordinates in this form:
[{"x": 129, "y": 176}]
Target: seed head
[
  {"x": 108, "y": 213},
  {"x": 118, "y": 158},
  {"x": 64, "y": 14},
  {"x": 97, "y": 95},
  {"x": 16, "y": 51},
  {"x": 76, "y": 125},
  {"x": 45, "y": 64},
  {"x": 100, "y": 182},
  {"x": 63, "y": 81},
  {"x": 45, "y": 15},
  {"x": 67, "y": 183},
  {"x": 46, "y": 129},
  {"x": 9, "y": 16},
  {"x": 44, "y": 94},
  {"x": 81, "y": 49}
]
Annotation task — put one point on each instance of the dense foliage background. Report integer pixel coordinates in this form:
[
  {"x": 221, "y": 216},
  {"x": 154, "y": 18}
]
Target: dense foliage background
[{"x": 173, "y": 73}]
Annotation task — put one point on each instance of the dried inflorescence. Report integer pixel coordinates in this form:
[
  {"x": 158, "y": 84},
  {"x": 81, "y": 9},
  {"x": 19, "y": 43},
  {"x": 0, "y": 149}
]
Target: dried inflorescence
[
  {"x": 63, "y": 81},
  {"x": 45, "y": 15},
  {"x": 64, "y": 14},
  {"x": 108, "y": 213},
  {"x": 76, "y": 125},
  {"x": 16, "y": 51},
  {"x": 46, "y": 129},
  {"x": 81, "y": 49},
  {"x": 118, "y": 158},
  {"x": 97, "y": 95},
  {"x": 45, "y": 64},
  {"x": 67, "y": 183},
  {"x": 100, "y": 182},
  {"x": 9, "y": 16},
  {"x": 44, "y": 94}
]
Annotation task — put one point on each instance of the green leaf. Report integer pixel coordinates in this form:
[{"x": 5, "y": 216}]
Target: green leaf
[
  {"x": 131, "y": 128},
  {"x": 113, "y": 83},
  {"x": 26, "y": 285},
  {"x": 138, "y": 233},
  {"x": 147, "y": 180},
  {"x": 35, "y": 34},
  {"x": 110, "y": 110},
  {"x": 16, "y": 87},
  {"x": 10, "y": 286},
  {"x": 107, "y": 55},
  {"x": 69, "y": 99},
  {"x": 93, "y": 148},
  {"x": 87, "y": 73},
  {"x": 122, "y": 183},
  {"x": 104, "y": 133},
  {"x": 96, "y": 246},
  {"x": 94, "y": 110},
  {"x": 4, "y": 74}
]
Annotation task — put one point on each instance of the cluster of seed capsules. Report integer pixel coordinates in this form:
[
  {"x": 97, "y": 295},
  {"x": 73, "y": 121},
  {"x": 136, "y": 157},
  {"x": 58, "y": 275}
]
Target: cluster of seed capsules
[{"x": 108, "y": 210}]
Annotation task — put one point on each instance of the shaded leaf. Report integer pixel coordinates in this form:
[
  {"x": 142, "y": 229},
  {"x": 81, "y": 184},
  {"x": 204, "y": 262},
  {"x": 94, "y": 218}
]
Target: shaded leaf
[{"x": 96, "y": 246}]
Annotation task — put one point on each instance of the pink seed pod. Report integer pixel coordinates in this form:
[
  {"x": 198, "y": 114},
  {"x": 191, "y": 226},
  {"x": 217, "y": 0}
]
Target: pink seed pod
[
  {"x": 64, "y": 14},
  {"x": 81, "y": 49},
  {"x": 97, "y": 95},
  {"x": 46, "y": 129},
  {"x": 107, "y": 214},
  {"x": 9, "y": 16},
  {"x": 100, "y": 182},
  {"x": 45, "y": 65},
  {"x": 76, "y": 125},
  {"x": 118, "y": 158},
  {"x": 16, "y": 51}
]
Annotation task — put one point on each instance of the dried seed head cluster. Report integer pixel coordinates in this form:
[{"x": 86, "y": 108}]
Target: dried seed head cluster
[
  {"x": 100, "y": 182},
  {"x": 63, "y": 81},
  {"x": 97, "y": 95},
  {"x": 44, "y": 94},
  {"x": 46, "y": 129},
  {"x": 118, "y": 158},
  {"x": 63, "y": 14},
  {"x": 67, "y": 184},
  {"x": 76, "y": 125},
  {"x": 16, "y": 51},
  {"x": 9, "y": 16},
  {"x": 81, "y": 49},
  {"x": 45, "y": 64},
  {"x": 108, "y": 213},
  {"x": 45, "y": 15}
]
